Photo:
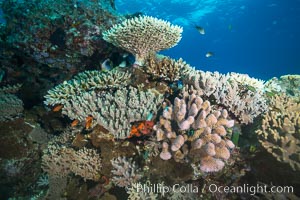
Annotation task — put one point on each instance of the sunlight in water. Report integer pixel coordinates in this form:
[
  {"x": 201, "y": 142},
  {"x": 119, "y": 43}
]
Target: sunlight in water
[{"x": 181, "y": 12}]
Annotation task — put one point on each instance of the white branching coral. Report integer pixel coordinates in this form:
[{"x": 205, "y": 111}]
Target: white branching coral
[
  {"x": 125, "y": 172},
  {"x": 114, "y": 111},
  {"x": 247, "y": 81},
  {"x": 238, "y": 93},
  {"x": 86, "y": 81},
  {"x": 142, "y": 35}
]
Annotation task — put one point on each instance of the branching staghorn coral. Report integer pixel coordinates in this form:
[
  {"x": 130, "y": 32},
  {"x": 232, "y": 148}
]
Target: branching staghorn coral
[
  {"x": 240, "y": 94},
  {"x": 192, "y": 128},
  {"x": 143, "y": 35},
  {"x": 280, "y": 130},
  {"x": 125, "y": 172},
  {"x": 86, "y": 81},
  {"x": 11, "y": 106},
  {"x": 165, "y": 68},
  {"x": 113, "y": 110}
]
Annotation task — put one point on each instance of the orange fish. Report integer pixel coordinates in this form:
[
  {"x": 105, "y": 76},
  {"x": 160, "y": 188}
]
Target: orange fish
[
  {"x": 134, "y": 132},
  {"x": 75, "y": 123},
  {"x": 57, "y": 108},
  {"x": 142, "y": 128},
  {"x": 88, "y": 122}
]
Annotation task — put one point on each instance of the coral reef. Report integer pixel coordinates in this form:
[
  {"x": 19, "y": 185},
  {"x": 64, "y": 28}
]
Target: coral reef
[
  {"x": 143, "y": 35},
  {"x": 289, "y": 84},
  {"x": 280, "y": 130},
  {"x": 164, "y": 68},
  {"x": 193, "y": 128},
  {"x": 86, "y": 81},
  {"x": 61, "y": 160},
  {"x": 238, "y": 93},
  {"x": 114, "y": 111},
  {"x": 134, "y": 194},
  {"x": 125, "y": 172},
  {"x": 57, "y": 33},
  {"x": 11, "y": 106},
  {"x": 159, "y": 121}
]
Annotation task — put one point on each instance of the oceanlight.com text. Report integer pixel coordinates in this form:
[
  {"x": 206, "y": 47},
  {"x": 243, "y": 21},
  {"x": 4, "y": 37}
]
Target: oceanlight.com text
[{"x": 250, "y": 189}]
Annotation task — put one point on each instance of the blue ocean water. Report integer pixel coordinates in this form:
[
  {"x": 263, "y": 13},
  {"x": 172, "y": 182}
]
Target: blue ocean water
[{"x": 256, "y": 37}]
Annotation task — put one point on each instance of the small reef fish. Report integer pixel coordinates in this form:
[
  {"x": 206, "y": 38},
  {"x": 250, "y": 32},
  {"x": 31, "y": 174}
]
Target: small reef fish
[
  {"x": 122, "y": 64},
  {"x": 88, "y": 122},
  {"x": 57, "y": 108},
  {"x": 251, "y": 88},
  {"x": 209, "y": 54},
  {"x": 200, "y": 30},
  {"x": 106, "y": 65},
  {"x": 149, "y": 116},
  {"x": 75, "y": 123}
]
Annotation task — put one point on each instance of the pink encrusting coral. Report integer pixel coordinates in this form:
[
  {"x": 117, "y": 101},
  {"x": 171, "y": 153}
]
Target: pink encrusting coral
[{"x": 198, "y": 124}]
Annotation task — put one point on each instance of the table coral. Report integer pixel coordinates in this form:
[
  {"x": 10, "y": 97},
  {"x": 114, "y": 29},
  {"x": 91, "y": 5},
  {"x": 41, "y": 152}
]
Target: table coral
[
  {"x": 238, "y": 93},
  {"x": 114, "y": 111},
  {"x": 280, "y": 130},
  {"x": 143, "y": 35},
  {"x": 86, "y": 81}
]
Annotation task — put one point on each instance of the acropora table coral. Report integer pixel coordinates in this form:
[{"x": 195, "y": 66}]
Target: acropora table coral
[{"x": 143, "y": 35}]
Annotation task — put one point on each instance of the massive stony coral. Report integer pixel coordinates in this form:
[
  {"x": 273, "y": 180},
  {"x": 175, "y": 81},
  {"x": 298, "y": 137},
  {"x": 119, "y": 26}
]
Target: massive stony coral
[
  {"x": 192, "y": 128},
  {"x": 280, "y": 130},
  {"x": 142, "y": 35}
]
